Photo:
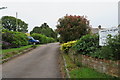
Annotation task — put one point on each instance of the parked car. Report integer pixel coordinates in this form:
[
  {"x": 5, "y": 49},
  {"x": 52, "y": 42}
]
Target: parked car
[{"x": 32, "y": 40}]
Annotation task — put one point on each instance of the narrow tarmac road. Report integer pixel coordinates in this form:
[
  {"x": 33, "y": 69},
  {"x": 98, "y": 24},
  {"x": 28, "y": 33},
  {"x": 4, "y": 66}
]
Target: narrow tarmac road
[{"x": 41, "y": 62}]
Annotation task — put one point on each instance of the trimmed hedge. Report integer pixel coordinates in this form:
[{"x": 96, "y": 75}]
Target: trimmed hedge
[
  {"x": 13, "y": 39},
  {"x": 42, "y": 38},
  {"x": 87, "y": 44}
]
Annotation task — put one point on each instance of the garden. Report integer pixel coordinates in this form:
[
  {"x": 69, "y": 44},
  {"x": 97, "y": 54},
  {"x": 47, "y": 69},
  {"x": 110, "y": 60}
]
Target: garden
[
  {"x": 86, "y": 54},
  {"x": 82, "y": 51}
]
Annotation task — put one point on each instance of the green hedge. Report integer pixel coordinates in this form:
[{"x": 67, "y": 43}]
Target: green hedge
[
  {"x": 15, "y": 39},
  {"x": 111, "y": 51},
  {"x": 42, "y": 38},
  {"x": 87, "y": 44}
]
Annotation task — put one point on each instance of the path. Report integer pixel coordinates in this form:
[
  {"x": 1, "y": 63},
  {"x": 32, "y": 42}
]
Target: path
[{"x": 41, "y": 62}]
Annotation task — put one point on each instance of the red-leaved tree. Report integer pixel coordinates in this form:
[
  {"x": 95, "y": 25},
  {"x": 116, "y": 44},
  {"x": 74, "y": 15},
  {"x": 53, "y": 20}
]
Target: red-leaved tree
[{"x": 72, "y": 27}]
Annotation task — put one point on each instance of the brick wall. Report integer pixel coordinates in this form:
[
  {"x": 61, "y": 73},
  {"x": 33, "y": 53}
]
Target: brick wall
[{"x": 101, "y": 65}]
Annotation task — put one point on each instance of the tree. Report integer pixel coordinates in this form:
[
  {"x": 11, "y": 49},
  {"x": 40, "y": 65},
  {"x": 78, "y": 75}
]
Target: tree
[
  {"x": 72, "y": 27},
  {"x": 45, "y": 30},
  {"x": 9, "y": 23}
]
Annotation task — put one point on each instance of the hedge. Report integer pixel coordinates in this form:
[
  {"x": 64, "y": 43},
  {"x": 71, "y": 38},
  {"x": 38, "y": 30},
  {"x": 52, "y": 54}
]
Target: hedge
[
  {"x": 14, "y": 39},
  {"x": 111, "y": 51},
  {"x": 42, "y": 38},
  {"x": 66, "y": 46},
  {"x": 87, "y": 44}
]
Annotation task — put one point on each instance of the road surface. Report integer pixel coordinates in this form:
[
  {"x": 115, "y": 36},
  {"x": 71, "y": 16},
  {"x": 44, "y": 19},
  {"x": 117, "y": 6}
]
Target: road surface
[{"x": 41, "y": 62}]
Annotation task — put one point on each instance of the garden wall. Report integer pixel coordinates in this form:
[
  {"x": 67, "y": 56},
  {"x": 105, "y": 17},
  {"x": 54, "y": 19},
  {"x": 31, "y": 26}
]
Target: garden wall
[{"x": 101, "y": 65}]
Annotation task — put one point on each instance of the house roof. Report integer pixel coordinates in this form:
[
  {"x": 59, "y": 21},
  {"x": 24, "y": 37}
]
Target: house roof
[{"x": 96, "y": 30}]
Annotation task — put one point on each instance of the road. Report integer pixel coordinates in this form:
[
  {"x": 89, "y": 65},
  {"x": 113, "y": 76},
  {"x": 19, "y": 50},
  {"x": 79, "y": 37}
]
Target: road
[{"x": 41, "y": 62}]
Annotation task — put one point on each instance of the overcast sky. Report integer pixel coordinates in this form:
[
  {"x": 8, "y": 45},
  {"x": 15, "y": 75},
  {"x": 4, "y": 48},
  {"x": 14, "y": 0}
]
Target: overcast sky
[{"x": 36, "y": 12}]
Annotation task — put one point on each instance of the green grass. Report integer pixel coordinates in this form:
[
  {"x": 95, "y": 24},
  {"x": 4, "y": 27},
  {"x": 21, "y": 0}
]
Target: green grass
[
  {"x": 83, "y": 72},
  {"x": 6, "y": 53},
  {"x": 70, "y": 64},
  {"x": 15, "y": 49}
]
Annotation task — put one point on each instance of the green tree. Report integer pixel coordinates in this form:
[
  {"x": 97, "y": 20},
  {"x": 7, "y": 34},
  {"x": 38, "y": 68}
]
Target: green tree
[
  {"x": 9, "y": 23},
  {"x": 72, "y": 27},
  {"x": 45, "y": 30}
]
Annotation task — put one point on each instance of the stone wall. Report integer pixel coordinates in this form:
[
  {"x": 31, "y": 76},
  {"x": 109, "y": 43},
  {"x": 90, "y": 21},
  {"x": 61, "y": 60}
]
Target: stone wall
[{"x": 101, "y": 65}]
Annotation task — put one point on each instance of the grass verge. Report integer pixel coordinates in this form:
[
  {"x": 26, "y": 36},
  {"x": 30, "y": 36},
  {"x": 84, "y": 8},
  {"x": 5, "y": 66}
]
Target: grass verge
[
  {"x": 7, "y": 53},
  {"x": 82, "y": 71},
  {"x": 15, "y": 49}
]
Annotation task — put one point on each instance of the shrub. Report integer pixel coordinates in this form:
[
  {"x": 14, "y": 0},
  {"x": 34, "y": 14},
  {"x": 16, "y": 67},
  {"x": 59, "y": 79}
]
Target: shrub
[
  {"x": 42, "y": 38},
  {"x": 37, "y": 36},
  {"x": 114, "y": 45},
  {"x": 66, "y": 46},
  {"x": 5, "y": 45},
  {"x": 111, "y": 50},
  {"x": 87, "y": 44},
  {"x": 17, "y": 39}
]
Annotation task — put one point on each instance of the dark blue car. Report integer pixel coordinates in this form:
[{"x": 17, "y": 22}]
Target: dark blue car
[{"x": 32, "y": 40}]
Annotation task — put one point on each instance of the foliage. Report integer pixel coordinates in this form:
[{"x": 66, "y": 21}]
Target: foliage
[
  {"x": 16, "y": 39},
  {"x": 87, "y": 44},
  {"x": 45, "y": 30},
  {"x": 42, "y": 38},
  {"x": 111, "y": 50},
  {"x": 5, "y": 44},
  {"x": 114, "y": 44},
  {"x": 72, "y": 27},
  {"x": 13, "y": 24},
  {"x": 66, "y": 46}
]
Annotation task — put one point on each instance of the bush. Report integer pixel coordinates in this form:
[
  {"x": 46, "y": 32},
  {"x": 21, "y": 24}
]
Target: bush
[
  {"x": 111, "y": 50},
  {"x": 114, "y": 45},
  {"x": 16, "y": 39},
  {"x": 6, "y": 45},
  {"x": 87, "y": 44},
  {"x": 42, "y": 38},
  {"x": 66, "y": 46}
]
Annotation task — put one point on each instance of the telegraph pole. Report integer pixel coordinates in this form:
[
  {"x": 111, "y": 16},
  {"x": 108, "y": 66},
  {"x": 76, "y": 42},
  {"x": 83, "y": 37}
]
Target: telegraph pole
[
  {"x": 17, "y": 28},
  {"x": 119, "y": 17}
]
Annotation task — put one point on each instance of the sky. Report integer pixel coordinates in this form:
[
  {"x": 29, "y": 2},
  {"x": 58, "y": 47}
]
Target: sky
[{"x": 36, "y": 12}]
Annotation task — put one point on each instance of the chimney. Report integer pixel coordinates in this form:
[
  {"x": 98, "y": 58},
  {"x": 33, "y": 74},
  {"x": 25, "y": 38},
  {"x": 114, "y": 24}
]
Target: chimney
[{"x": 99, "y": 27}]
